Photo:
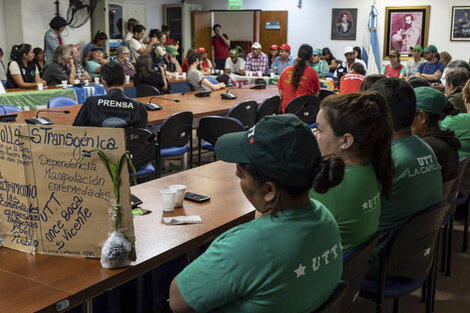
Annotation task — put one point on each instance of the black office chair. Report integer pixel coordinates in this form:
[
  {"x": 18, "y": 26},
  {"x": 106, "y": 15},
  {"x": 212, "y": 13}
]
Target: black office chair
[
  {"x": 143, "y": 90},
  {"x": 334, "y": 302},
  {"x": 173, "y": 137},
  {"x": 354, "y": 270},
  {"x": 270, "y": 106},
  {"x": 211, "y": 128},
  {"x": 407, "y": 259},
  {"x": 245, "y": 112},
  {"x": 325, "y": 93},
  {"x": 142, "y": 146},
  {"x": 306, "y": 108}
]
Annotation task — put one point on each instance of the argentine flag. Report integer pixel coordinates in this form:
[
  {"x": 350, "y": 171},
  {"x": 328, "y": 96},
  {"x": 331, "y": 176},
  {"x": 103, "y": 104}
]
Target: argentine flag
[{"x": 370, "y": 46}]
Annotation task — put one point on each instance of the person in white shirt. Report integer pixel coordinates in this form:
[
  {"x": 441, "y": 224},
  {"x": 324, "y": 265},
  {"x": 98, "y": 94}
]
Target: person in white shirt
[
  {"x": 130, "y": 24},
  {"x": 413, "y": 64},
  {"x": 234, "y": 64},
  {"x": 136, "y": 46},
  {"x": 351, "y": 59}
]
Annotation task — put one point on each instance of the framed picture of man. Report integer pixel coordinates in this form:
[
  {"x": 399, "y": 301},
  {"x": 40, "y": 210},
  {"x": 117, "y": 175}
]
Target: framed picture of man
[
  {"x": 460, "y": 29},
  {"x": 405, "y": 27},
  {"x": 343, "y": 24}
]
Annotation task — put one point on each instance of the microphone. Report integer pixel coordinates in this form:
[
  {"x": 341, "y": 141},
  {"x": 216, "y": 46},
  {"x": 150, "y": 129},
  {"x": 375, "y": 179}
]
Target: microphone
[
  {"x": 158, "y": 97},
  {"x": 149, "y": 140},
  {"x": 7, "y": 117},
  {"x": 42, "y": 120},
  {"x": 152, "y": 106}
]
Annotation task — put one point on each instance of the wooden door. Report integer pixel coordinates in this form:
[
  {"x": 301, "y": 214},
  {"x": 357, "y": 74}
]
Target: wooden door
[
  {"x": 202, "y": 31},
  {"x": 270, "y": 37}
]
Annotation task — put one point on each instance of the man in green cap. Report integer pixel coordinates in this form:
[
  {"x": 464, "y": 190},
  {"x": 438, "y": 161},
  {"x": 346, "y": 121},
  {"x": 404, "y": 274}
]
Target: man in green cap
[
  {"x": 433, "y": 69},
  {"x": 234, "y": 64},
  {"x": 430, "y": 105},
  {"x": 169, "y": 59},
  {"x": 319, "y": 65},
  {"x": 287, "y": 260},
  {"x": 413, "y": 64}
]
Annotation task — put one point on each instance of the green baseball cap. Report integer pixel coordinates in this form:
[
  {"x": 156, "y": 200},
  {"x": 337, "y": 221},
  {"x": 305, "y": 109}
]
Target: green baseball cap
[
  {"x": 430, "y": 100},
  {"x": 430, "y": 48},
  {"x": 172, "y": 49},
  {"x": 417, "y": 48},
  {"x": 317, "y": 51},
  {"x": 233, "y": 53},
  {"x": 282, "y": 147}
]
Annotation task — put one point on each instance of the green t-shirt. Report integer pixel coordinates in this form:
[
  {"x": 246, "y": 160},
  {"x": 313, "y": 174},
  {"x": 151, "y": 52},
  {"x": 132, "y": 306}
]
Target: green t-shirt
[
  {"x": 417, "y": 185},
  {"x": 355, "y": 204},
  {"x": 291, "y": 262},
  {"x": 322, "y": 68},
  {"x": 460, "y": 125},
  {"x": 91, "y": 67}
]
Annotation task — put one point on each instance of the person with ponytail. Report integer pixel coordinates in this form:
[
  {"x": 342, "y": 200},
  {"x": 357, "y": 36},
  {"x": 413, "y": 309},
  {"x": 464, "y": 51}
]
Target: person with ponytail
[
  {"x": 356, "y": 127},
  {"x": 298, "y": 79},
  {"x": 22, "y": 71},
  {"x": 290, "y": 258}
]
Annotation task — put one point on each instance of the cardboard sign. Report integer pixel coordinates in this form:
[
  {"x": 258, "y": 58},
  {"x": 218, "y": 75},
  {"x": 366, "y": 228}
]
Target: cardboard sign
[{"x": 53, "y": 200}]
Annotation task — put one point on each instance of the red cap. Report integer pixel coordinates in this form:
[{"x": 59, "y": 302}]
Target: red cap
[
  {"x": 201, "y": 50},
  {"x": 274, "y": 47},
  {"x": 285, "y": 47}
]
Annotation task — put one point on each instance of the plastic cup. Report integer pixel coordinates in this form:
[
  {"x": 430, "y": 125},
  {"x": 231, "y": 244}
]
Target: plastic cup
[
  {"x": 77, "y": 81},
  {"x": 179, "y": 197},
  {"x": 97, "y": 80},
  {"x": 64, "y": 84},
  {"x": 259, "y": 74},
  {"x": 40, "y": 86},
  {"x": 271, "y": 74},
  {"x": 183, "y": 75},
  {"x": 86, "y": 82},
  {"x": 128, "y": 79},
  {"x": 248, "y": 73},
  {"x": 168, "y": 199}
]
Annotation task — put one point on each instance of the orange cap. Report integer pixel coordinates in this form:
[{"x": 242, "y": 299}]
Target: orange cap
[
  {"x": 285, "y": 47},
  {"x": 201, "y": 50}
]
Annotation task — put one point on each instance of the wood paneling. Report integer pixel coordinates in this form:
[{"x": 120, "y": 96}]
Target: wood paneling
[
  {"x": 202, "y": 31},
  {"x": 270, "y": 37}
]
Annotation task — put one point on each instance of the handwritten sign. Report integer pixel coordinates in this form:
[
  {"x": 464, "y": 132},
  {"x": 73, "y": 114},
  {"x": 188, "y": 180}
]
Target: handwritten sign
[{"x": 53, "y": 200}]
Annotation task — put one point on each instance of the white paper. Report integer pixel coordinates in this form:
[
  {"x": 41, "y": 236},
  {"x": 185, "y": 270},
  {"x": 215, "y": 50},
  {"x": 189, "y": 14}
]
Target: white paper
[{"x": 178, "y": 220}]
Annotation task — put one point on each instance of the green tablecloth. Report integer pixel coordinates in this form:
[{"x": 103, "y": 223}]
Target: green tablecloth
[{"x": 34, "y": 98}]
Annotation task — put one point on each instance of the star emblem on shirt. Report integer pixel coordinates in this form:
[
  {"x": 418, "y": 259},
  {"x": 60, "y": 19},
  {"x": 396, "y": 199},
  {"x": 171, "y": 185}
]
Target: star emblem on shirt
[
  {"x": 300, "y": 271},
  {"x": 365, "y": 206}
]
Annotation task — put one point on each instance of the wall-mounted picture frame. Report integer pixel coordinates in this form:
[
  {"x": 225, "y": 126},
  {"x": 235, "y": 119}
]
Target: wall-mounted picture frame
[
  {"x": 405, "y": 27},
  {"x": 460, "y": 27},
  {"x": 343, "y": 24}
]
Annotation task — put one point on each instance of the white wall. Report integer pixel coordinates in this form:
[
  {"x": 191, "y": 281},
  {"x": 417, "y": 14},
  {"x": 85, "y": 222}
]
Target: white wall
[
  {"x": 2, "y": 28},
  {"x": 238, "y": 24},
  {"x": 312, "y": 22}
]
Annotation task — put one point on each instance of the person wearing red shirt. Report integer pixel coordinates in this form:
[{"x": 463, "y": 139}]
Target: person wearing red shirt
[
  {"x": 298, "y": 79},
  {"x": 352, "y": 81},
  {"x": 221, "y": 45},
  {"x": 394, "y": 69},
  {"x": 206, "y": 64}
]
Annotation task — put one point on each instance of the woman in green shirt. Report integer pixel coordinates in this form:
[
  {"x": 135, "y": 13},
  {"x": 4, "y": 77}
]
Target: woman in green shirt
[
  {"x": 358, "y": 128},
  {"x": 319, "y": 65}
]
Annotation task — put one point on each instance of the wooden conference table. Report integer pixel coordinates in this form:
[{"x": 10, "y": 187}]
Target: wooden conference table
[
  {"x": 202, "y": 106},
  {"x": 31, "y": 283}
]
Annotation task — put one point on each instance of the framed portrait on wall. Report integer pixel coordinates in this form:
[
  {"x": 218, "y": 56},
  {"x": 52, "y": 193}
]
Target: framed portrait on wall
[
  {"x": 460, "y": 29},
  {"x": 343, "y": 24},
  {"x": 405, "y": 27}
]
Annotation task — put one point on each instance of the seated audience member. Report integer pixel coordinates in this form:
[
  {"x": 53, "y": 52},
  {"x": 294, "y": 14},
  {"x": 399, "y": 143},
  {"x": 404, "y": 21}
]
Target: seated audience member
[
  {"x": 430, "y": 105},
  {"x": 283, "y": 60},
  {"x": 114, "y": 104},
  {"x": 413, "y": 64},
  {"x": 22, "y": 71},
  {"x": 358, "y": 129},
  {"x": 39, "y": 60},
  {"x": 273, "y": 53},
  {"x": 53, "y": 37},
  {"x": 418, "y": 82},
  {"x": 444, "y": 58},
  {"x": 145, "y": 74},
  {"x": 351, "y": 82},
  {"x": 357, "y": 52},
  {"x": 3, "y": 70},
  {"x": 136, "y": 45},
  {"x": 319, "y": 65},
  {"x": 206, "y": 64},
  {"x": 417, "y": 181},
  {"x": 130, "y": 25},
  {"x": 94, "y": 64},
  {"x": 80, "y": 72},
  {"x": 169, "y": 59},
  {"x": 98, "y": 42},
  {"x": 330, "y": 59},
  {"x": 122, "y": 59},
  {"x": 395, "y": 68},
  {"x": 196, "y": 80},
  {"x": 169, "y": 40},
  {"x": 298, "y": 79},
  {"x": 257, "y": 60},
  {"x": 234, "y": 64},
  {"x": 433, "y": 69},
  {"x": 455, "y": 80},
  {"x": 160, "y": 49},
  {"x": 184, "y": 65},
  {"x": 460, "y": 124},
  {"x": 351, "y": 59},
  {"x": 62, "y": 66},
  {"x": 264, "y": 265},
  {"x": 368, "y": 81}
]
